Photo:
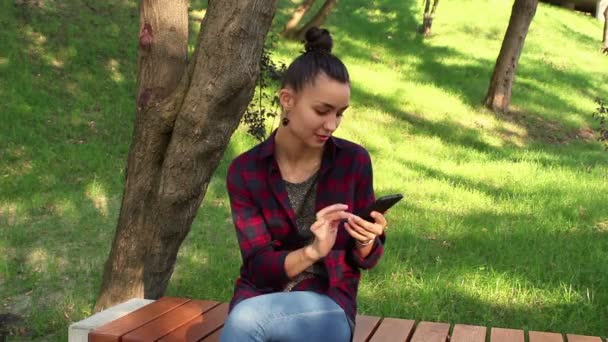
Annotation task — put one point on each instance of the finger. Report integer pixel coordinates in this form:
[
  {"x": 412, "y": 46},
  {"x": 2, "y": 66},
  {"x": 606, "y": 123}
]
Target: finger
[
  {"x": 355, "y": 234},
  {"x": 380, "y": 219},
  {"x": 331, "y": 208},
  {"x": 365, "y": 225},
  {"x": 365, "y": 234},
  {"x": 336, "y": 215}
]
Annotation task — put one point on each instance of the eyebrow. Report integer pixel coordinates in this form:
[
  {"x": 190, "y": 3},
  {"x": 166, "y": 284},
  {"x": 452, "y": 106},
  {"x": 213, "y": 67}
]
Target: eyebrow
[{"x": 331, "y": 106}]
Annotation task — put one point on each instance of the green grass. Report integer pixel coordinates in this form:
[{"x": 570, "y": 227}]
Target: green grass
[{"x": 504, "y": 224}]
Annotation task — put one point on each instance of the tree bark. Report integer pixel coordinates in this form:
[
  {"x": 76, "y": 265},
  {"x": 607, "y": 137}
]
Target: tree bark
[
  {"x": 434, "y": 7},
  {"x": 425, "y": 29},
  {"x": 318, "y": 19},
  {"x": 429, "y": 15},
  {"x": 291, "y": 28},
  {"x": 605, "y": 36},
  {"x": 498, "y": 97},
  {"x": 183, "y": 125}
]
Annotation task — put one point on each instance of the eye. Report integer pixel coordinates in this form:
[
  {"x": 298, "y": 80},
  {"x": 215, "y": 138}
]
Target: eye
[
  {"x": 321, "y": 111},
  {"x": 340, "y": 114}
]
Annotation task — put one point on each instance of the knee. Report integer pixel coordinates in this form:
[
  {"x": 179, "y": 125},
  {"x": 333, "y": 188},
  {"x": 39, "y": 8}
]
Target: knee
[{"x": 242, "y": 324}]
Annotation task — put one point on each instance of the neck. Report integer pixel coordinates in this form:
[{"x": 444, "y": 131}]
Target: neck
[{"x": 290, "y": 149}]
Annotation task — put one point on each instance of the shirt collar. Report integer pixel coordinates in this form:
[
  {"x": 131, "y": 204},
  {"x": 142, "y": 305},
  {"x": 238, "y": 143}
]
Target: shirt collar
[{"x": 330, "y": 149}]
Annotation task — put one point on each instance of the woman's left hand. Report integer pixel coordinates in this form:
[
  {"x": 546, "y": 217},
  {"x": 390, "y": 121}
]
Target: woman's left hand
[{"x": 364, "y": 231}]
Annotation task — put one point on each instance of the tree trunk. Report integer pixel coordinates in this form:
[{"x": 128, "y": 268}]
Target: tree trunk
[
  {"x": 318, "y": 19},
  {"x": 498, "y": 97},
  {"x": 426, "y": 25},
  {"x": 605, "y": 36},
  {"x": 184, "y": 122},
  {"x": 291, "y": 28},
  {"x": 429, "y": 15},
  {"x": 434, "y": 7}
]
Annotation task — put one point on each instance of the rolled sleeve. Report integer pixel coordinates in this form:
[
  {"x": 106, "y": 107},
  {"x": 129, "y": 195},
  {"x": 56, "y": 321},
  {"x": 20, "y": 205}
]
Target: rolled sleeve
[
  {"x": 373, "y": 257},
  {"x": 364, "y": 194},
  {"x": 265, "y": 265}
]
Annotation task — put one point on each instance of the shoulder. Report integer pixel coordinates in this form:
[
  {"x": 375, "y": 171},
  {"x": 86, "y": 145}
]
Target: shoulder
[
  {"x": 245, "y": 161},
  {"x": 352, "y": 151}
]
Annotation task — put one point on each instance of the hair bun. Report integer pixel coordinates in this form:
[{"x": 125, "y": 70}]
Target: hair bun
[{"x": 318, "y": 40}]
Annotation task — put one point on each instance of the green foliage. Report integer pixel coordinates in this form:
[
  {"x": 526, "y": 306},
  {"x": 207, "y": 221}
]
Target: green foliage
[
  {"x": 601, "y": 114},
  {"x": 265, "y": 102}
]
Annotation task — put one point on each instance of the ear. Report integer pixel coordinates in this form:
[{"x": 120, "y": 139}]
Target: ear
[{"x": 287, "y": 98}]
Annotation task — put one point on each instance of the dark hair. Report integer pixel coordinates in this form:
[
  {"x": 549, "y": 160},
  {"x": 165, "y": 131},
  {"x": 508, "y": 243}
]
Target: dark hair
[{"x": 317, "y": 58}]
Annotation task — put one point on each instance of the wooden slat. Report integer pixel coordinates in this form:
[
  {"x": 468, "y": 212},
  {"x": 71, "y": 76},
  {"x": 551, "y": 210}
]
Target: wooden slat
[
  {"x": 393, "y": 329},
  {"x": 365, "y": 326},
  {"x": 536, "y": 336},
  {"x": 507, "y": 335},
  {"x": 169, "y": 322},
  {"x": 468, "y": 333},
  {"x": 431, "y": 332},
  {"x": 113, "y": 331},
  {"x": 581, "y": 338},
  {"x": 215, "y": 337},
  {"x": 201, "y": 326}
]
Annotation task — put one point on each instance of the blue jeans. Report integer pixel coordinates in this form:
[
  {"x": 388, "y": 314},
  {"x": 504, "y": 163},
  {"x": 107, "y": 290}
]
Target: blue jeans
[{"x": 287, "y": 316}]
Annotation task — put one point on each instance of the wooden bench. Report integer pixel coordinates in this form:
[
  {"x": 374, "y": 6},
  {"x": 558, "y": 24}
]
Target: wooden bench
[{"x": 182, "y": 319}]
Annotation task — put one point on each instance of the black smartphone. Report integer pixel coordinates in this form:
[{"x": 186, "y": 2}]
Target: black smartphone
[{"x": 381, "y": 205}]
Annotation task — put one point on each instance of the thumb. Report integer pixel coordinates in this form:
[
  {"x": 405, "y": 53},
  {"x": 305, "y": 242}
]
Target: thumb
[{"x": 316, "y": 225}]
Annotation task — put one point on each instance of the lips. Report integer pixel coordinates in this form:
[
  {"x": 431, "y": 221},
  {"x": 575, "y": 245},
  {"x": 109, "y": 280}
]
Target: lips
[{"x": 322, "y": 137}]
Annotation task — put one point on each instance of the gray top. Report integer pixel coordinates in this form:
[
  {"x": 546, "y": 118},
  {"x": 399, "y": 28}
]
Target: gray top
[{"x": 302, "y": 197}]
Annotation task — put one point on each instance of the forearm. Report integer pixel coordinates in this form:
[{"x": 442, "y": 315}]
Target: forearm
[
  {"x": 299, "y": 260},
  {"x": 364, "y": 250}
]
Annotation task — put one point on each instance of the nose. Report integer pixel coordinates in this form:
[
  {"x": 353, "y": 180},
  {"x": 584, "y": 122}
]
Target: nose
[{"x": 331, "y": 123}]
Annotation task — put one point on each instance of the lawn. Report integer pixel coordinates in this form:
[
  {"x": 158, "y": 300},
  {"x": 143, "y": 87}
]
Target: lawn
[{"x": 504, "y": 224}]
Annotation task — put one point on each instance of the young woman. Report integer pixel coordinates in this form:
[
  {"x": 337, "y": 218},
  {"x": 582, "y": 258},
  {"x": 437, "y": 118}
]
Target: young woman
[{"x": 294, "y": 198}]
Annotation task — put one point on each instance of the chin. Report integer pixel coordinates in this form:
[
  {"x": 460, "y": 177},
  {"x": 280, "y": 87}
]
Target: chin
[{"x": 317, "y": 143}]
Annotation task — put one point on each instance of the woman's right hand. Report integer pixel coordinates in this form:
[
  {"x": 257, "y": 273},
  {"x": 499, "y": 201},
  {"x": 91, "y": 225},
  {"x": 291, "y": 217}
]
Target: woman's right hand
[{"x": 325, "y": 229}]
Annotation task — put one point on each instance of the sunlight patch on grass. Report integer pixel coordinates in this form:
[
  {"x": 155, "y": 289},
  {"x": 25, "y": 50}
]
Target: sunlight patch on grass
[
  {"x": 372, "y": 79},
  {"x": 602, "y": 226},
  {"x": 433, "y": 101},
  {"x": 37, "y": 260},
  {"x": 197, "y": 15},
  {"x": 20, "y": 163},
  {"x": 66, "y": 208},
  {"x": 113, "y": 67},
  {"x": 35, "y": 37},
  {"x": 56, "y": 63},
  {"x": 98, "y": 195},
  {"x": 10, "y": 212},
  {"x": 377, "y": 15}
]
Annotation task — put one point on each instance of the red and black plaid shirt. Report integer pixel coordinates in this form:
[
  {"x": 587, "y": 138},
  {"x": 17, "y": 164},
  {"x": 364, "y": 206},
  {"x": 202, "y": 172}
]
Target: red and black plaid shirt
[{"x": 266, "y": 227}]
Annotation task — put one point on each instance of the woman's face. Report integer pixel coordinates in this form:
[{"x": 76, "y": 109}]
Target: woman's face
[{"x": 315, "y": 111}]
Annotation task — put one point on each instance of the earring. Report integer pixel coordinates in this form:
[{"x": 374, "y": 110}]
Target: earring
[{"x": 285, "y": 121}]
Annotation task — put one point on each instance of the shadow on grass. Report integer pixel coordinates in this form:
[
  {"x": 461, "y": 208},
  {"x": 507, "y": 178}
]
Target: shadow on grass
[
  {"x": 67, "y": 135},
  {"x": 69, "y": 70},
  {"x": 392, "y": 26},
  {"x": 447, "y": 276},
  {"x": 453, "y": 133}
]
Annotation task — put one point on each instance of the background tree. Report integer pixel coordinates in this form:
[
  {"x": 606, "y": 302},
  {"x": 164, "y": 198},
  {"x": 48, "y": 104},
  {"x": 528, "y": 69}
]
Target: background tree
[
  {"x": 292, "y": 25},
  {"x": 605, "y": 35},
  {"x": 186, "y": 114},
  {"x": 317, "y": 20},
  {"x": 429, "y": 15},
  {"x": 498, "y": 97}
]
